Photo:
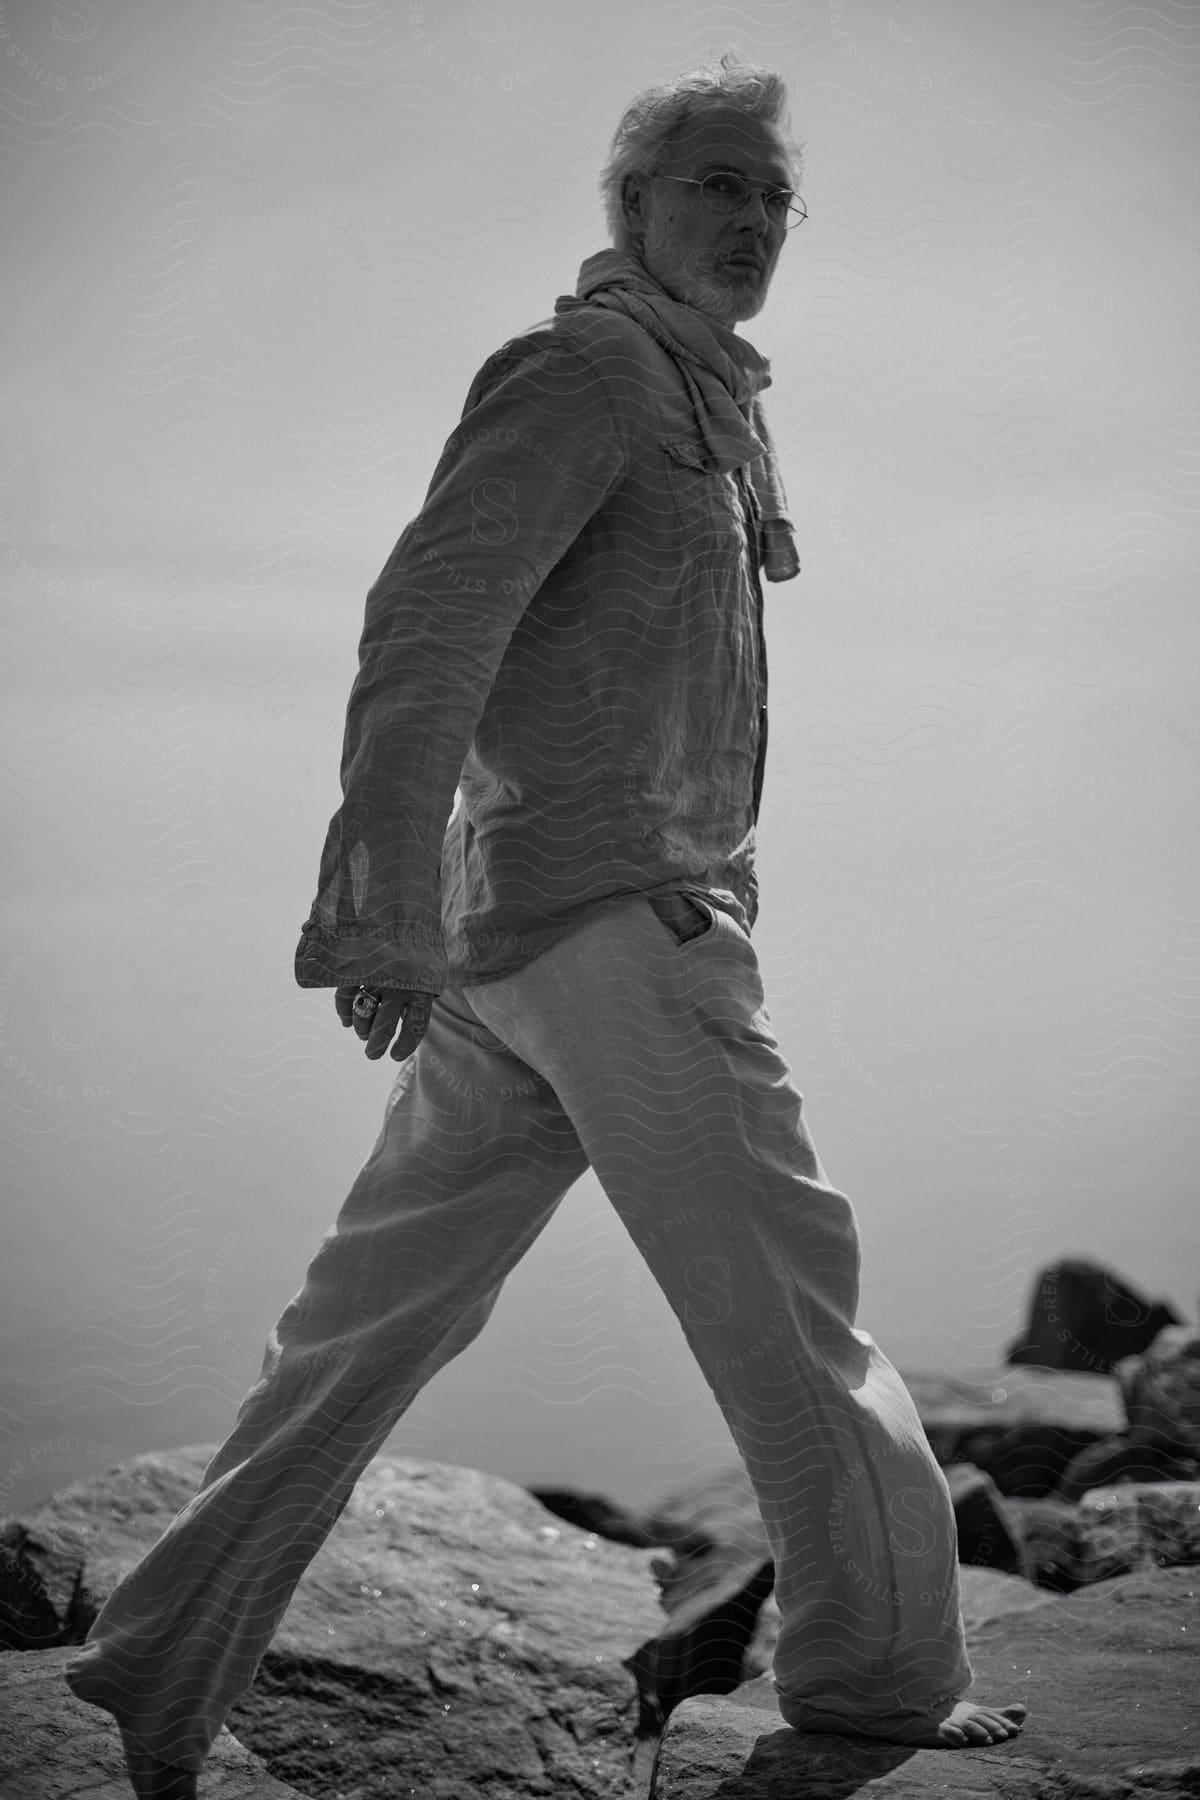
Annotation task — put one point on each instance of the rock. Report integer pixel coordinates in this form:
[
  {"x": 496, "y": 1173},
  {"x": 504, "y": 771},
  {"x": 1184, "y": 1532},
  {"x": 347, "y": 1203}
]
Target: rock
[
  {"x": 1162, "y": 1391},
  {"x": 1161, "y": 1395},
  {"x": 1125, "y": 1528},
  {"x": 53, "y": 1745},
  {"x": 711, "y": 1586},
  {"x": 449, "y": 1628},
  {"x": 592, "y": 1512},
  {"x": 1027, "y": 1461},
  {"x": 987, "y": 1594},
  {"x": 1125, "y": 1458},
  {"x": 1110, "y": 1532},
  {"x": 712, "y": 1601},
  {"x": 1035, "y": 1431},
  {"x": 1049, "y": 1532},
  {"x": 1109, "y": 1676},
  {"x": 1083, "y": 1316},
  {"x": 60, "y": 1561},
  {"x": 31, "y": 1572},
  {"x": 718, "y": 1506},
  {"x": 954, "y": 1408},
  {"x": 987, "y": 1536}
]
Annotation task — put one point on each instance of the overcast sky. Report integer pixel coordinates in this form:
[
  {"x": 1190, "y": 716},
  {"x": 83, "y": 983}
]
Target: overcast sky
[{"x": 255, "y": 253}]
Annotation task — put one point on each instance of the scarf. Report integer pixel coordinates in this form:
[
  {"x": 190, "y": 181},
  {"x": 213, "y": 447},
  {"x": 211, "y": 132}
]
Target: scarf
[{"x": 724, "y": 375}]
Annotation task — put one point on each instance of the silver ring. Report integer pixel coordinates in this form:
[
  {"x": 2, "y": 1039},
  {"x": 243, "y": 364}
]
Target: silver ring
[{"x": 365, "y": 1004}]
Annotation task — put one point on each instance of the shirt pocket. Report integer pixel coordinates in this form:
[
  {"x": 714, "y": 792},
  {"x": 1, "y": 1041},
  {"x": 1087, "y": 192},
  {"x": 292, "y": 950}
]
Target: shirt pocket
[{"x": 706, "y": 497}]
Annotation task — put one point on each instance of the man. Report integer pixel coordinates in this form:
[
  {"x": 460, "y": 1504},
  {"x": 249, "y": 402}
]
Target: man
[{"x": 570, "y": 634}]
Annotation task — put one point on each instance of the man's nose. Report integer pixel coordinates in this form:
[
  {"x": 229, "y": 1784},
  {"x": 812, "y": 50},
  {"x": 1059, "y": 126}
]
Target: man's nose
[{"x": 753, "y": 211}]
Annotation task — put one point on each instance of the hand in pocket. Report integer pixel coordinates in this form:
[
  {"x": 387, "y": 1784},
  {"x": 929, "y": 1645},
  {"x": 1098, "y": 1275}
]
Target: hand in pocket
[{"x": 683, "y": 918}]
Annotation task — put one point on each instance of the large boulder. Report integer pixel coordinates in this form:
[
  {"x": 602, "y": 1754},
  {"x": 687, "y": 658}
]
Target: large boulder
[
  {"x": 595, "y": 1512},
  {"x": 987, "y": 1534},
  {"x": 1039, "y": 1432},
  {"x": 453, "y": 1632},
  {"x": 53, "y": 1746},
  {"x": 718, "y": 1505},
  {"x": 712, "y": 1600},
  {"x": 1110, "y": 1531},
  {"x": 450, "y": 1630},
  {"x": 1109, "y": 1676},
  {"x": 1161, "y": 1391},
  {"x": 1083, "y": 1316},
  {"x": 1161, "y": 1394},
  {"x": 1051, "y": 1553},
  {"x": 1133, "y": 1527},
  {"x": 1122, "y": 1459},
  {"x": 962, "y": 1413},
  {"x": 1027, "y": 1461}
]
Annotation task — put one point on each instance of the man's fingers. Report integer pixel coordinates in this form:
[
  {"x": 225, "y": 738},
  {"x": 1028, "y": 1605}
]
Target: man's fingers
[
  {"x": 377, "y": 1030},
  {"x": 399, "y": 1009},
  {"x": 416, "y": 1024},
  {"x": 365, "y": 1022}
]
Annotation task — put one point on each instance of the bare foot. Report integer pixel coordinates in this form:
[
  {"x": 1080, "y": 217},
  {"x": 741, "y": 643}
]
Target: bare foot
[
  {"x": 152, "y": 1779},
  {"x": 965, "y": 1725}
]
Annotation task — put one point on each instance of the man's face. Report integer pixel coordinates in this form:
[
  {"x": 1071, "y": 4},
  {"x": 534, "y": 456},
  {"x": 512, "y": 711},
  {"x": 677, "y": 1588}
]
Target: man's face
[{"x": 687, "y": 245}]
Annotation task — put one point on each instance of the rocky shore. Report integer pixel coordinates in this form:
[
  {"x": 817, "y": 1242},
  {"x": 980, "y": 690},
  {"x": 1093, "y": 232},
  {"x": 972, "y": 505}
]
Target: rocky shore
[{"x": 458, "y": 1634}]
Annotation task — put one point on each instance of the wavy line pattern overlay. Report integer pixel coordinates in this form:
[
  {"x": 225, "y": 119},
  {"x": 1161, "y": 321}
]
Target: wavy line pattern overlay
[{"x": 259, "y": 249}]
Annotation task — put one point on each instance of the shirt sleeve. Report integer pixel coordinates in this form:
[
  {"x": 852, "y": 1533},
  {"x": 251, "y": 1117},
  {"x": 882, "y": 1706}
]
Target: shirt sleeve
[{"x": 534, "y": 455}]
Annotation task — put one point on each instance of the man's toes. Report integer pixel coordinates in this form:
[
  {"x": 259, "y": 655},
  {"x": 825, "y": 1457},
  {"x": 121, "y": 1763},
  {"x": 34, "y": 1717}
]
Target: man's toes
[{"x": 984, "y": 1724}]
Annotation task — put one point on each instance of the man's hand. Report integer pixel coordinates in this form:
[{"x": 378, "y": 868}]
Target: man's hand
[{"x": 407, "y": 1004}]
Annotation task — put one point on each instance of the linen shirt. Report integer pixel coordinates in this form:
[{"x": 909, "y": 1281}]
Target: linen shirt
[{"x": 562, "y": 685}]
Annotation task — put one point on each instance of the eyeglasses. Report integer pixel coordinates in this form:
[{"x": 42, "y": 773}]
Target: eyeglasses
[{"x": 726, "y": 192}]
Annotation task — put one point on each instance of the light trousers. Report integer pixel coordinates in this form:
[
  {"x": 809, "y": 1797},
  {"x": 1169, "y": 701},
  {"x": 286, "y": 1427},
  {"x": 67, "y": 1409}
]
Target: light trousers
[{"x": 650, "y": 1058}]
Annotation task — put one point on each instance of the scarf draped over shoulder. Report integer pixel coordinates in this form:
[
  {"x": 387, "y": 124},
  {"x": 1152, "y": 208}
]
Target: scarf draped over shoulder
[{"x": 724, "y": 376}]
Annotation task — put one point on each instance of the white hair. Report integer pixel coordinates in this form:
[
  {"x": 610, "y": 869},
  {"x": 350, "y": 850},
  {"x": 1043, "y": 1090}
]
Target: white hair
[{"x": 653, "y": 117}]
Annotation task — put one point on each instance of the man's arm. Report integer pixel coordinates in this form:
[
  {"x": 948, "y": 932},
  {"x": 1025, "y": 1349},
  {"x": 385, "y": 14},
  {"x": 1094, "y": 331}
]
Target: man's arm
[{"x": 536, "y": 452}]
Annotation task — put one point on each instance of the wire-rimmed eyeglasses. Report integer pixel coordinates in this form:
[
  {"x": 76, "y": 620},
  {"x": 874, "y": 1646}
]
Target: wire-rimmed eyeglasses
[{"x": 726, "y": 192}]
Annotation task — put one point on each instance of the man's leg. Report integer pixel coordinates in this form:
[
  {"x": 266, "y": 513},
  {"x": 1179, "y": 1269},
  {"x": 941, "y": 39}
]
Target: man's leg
[
  {"x": 472, "y": 1159},
  {"x": 660, "y": 1050}
]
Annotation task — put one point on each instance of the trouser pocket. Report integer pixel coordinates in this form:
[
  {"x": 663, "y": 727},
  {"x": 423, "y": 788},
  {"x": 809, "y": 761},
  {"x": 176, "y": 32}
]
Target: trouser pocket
[{"x": 683, "y": 917}]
